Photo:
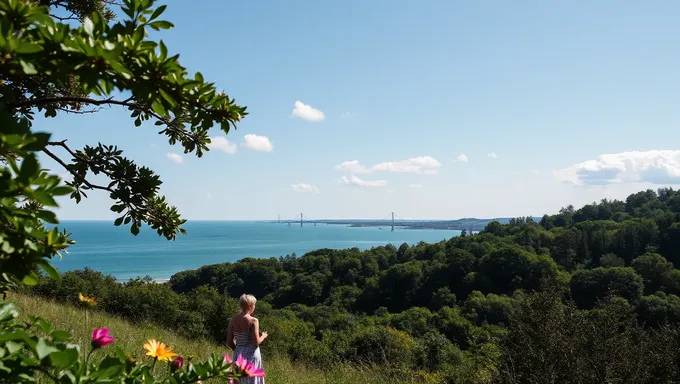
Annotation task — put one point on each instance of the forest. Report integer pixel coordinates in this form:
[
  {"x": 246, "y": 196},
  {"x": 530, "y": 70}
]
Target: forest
[{"x": 583, "y": 295}]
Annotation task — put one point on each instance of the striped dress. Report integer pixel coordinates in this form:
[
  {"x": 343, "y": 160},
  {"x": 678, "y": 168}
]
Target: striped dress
[{"x": 250, "y": 352}]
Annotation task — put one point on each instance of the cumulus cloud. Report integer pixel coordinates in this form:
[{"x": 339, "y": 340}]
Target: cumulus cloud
[
  {"x": 415, "y": 186},
  {"x": 355, "y": 181},
  {"x": 655, "y": 167},
  {"x": 175, "y": 158},
  {"x": 302, "y": 187},
  {"x": 412, "y": 165},
  {"x": 462, "y": 158},
  {"x": 257, "y": 143},
  {"x": 493, "y": 155},
  {"x": 221, "y": 144},
  {"x": 307, "y": 112},
  {"x": 352, "y": 166}
]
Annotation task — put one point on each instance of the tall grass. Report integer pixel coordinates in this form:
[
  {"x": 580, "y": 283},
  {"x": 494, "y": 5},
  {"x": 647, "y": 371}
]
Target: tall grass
[{"x": 130, "y": 338}]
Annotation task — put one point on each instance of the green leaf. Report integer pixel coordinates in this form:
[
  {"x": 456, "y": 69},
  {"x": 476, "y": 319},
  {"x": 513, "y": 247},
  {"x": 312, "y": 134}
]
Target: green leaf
[
  {"x": 43, "y": 198},
  {"x": 157, "y": 12},
  {"x": 88, "y": 26},
  {"x": 30, "y": 279},
  {"x": 118, "y": 208},
  {"x": 107, "y": 374},
  {"x": 62, "y": 190},
  {"x": 118, "y": 221},
  {"x": 47, "y": 216},
  {"x": 8, "y": 311},
  {"x": 161, "y": 24},
  {"x": 29, "y": 166},
  {"x": 42, "y": 349},
  {"x": 15, "y": 335},
  {"x": 28, "y": 68},
  {"x": 13, "y": 347},
  {"x": 60, "y": 335},
  {"x": 134, "y": 229},
  {"x": 29, "y": 48},
  {"x": 64, "y": 359},
  {"x": 49, "y": 269}
]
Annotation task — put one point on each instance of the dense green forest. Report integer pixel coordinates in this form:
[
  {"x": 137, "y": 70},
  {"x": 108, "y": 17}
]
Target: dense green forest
[{"x": 586, "y": 295}]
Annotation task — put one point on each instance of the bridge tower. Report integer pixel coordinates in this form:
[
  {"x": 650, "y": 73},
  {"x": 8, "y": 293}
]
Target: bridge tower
[
  {"x": 301, "y": 219},
  {"x": 392, "y": 221}
]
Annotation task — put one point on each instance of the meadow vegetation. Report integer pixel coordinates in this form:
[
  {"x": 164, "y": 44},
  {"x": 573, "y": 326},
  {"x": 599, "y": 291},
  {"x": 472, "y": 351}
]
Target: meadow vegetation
[{"x": 591, "y": 293}]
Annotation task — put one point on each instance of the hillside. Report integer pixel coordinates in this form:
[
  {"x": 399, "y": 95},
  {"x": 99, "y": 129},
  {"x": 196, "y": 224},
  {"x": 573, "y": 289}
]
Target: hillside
[
  {"x": 594, "y": 291},
  {"x": 130, "y": 338}
]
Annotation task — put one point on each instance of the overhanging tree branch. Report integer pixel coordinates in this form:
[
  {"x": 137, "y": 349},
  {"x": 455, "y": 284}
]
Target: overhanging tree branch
[{"x": 63, "y": 164}]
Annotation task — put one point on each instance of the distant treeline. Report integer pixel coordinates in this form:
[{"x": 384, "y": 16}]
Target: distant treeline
[{"x": 585, "y": 295}]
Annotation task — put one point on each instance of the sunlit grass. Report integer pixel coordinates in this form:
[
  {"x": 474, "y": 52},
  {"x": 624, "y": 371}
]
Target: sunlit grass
[{"x": 130, "y": 337}]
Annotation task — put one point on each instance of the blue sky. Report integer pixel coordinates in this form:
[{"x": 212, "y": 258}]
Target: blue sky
[{"x": 547, "y": 87}]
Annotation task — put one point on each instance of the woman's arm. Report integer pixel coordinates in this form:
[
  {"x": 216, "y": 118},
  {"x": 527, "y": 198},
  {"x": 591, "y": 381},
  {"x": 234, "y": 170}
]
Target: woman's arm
[
  {"x": 255, "y": 329},
  {"x": 230, "y": 337}
]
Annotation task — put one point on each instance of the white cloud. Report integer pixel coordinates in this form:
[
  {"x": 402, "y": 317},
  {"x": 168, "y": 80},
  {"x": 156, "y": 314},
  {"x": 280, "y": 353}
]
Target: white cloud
[
  {"x": 493, "y": 155},
  {"x": 302, "y": 187},
  {"x": 175, "y": 158},
  {"x": 655, "y": 167},
  {"x": 462, "y": 158},
  {"x": 412, "y": 165},
  {"x": 208, "y": 195},
  {"x": 352, "y": 166},
  {"x": 307, "y": 112},
  {"x": 431, "y": 172},
  {"x": 221, "y": 144},
  {"x": 347, "y": 115},
  {"x": 257, "y": 143},
  {"x": 353, "y": 180},
  {"x": 415, "y": 186}
]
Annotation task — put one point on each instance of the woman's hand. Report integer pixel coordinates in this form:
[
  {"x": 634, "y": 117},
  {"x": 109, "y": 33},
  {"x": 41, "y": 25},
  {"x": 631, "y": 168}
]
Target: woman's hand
[{"x": 264, "y": 335}]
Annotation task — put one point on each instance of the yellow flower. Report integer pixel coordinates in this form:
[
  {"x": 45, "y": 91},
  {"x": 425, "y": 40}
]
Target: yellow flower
[
  {"x": 158, "y": 350},
  {"x": 87, "y": 301}
]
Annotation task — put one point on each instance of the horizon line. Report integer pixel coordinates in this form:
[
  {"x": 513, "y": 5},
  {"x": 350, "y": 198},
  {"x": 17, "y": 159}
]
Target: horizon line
[{"x": 323, "y": 219}]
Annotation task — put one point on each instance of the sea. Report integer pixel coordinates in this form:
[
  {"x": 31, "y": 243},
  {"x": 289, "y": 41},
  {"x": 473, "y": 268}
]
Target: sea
[{"x": 114, "y": 251}]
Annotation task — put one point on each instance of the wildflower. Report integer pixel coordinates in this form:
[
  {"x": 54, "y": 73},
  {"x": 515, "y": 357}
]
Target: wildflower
[
  {"x": 248, "y": 368},
  {"x": 101, "y": 338},
  {"x": 176, "y": 364},
  {"x": 86, "y": 300},
  {"x": 158, "y": 350},
  {"x": 227, "y": 359}
]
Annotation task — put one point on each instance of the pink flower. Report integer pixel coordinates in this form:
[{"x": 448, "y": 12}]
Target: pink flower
[
  {"x": 241, "y": 363},
  {"x": 101, "y": 338},
  {"x": 252, "y": 371},
  {"x": 227, "y": 359},
  {"x": 248, "y": 368},
  {"x": 176, "y": 364}
]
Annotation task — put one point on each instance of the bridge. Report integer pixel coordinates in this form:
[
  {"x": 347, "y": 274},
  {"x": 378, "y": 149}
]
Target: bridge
[{"x": 391, "y": 220}]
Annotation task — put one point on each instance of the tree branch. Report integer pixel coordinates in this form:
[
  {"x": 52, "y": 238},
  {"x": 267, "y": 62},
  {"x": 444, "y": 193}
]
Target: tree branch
[
  {"x": 87, "y": 183},
  {"x": 84, "y": 100}
]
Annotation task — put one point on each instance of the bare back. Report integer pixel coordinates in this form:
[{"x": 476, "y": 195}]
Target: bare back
[{"x": 242, "y": 323}]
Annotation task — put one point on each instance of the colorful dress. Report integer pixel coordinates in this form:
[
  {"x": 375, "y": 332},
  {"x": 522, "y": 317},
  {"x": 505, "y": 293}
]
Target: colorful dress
[{"x": 250, "y": 352}]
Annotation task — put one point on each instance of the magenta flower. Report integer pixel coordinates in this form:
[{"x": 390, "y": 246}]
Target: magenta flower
[
  {"x": 227, "y": 359},
  {"x": 252, "y": 371},
  {"x": 176, "y": 364},
  {"x": 248, "y": 368},
  {"x": 101, "y": 338}
]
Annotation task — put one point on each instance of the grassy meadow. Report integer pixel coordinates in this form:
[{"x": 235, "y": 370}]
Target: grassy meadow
[{"x": 130, "y": 338}]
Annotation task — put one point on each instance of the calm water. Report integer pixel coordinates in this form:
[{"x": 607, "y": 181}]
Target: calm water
[{"x": 113, "y": 250}]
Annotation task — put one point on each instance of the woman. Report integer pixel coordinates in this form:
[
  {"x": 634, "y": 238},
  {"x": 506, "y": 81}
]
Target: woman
[{"x": 243, "y": 336}]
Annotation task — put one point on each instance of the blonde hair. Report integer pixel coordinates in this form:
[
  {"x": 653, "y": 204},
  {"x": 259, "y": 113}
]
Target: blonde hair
[{"x": 246, "y": 301}]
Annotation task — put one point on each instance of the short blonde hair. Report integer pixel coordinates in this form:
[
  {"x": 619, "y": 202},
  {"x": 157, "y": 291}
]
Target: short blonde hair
[{"x": 246, "y": 301}]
